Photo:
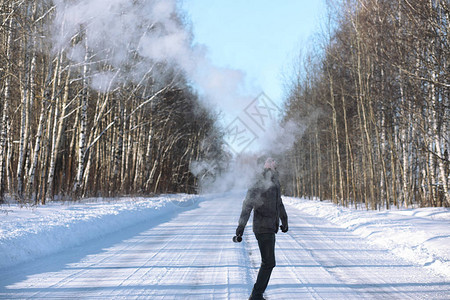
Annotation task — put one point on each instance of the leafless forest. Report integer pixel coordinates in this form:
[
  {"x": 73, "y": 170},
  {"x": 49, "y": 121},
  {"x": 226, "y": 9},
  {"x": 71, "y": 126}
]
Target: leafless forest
[
  {"x": 62, "y": 138},
  {"x": 381, "y": 91},
  {"x": 376, "y": 86}
]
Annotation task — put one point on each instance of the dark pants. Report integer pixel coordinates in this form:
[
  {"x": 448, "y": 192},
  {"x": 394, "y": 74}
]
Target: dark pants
[{"x": 266, "y": 243}]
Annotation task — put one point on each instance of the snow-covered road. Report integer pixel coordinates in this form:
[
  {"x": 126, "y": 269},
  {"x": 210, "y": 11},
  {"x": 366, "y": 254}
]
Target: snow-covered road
[{"x": 191, "y": 256}]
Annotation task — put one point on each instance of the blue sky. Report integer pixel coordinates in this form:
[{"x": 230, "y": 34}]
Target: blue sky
[{"x": 259, "y": 37}]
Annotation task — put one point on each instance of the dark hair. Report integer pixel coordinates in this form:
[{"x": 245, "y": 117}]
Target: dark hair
[{"x": 261, "y": 160}]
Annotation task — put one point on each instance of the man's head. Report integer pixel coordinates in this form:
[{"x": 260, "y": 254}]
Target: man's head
[{"x": 261, "y": 160}]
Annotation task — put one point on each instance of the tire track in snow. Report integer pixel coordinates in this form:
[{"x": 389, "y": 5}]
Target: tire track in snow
[
  {"x": 93, "y": 262},
  {"x": 131, "y": 279},
  {"x": 364, "y": 272}
]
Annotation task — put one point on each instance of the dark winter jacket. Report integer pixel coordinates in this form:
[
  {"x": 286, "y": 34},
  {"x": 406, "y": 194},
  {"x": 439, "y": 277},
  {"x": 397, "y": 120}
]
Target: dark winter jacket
[{"x": 264, "y": 198}]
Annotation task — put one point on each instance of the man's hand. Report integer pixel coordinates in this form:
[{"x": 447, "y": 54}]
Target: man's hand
[
  {"x": 240, "y": 231},
  {"x": 284, "y": 228}
]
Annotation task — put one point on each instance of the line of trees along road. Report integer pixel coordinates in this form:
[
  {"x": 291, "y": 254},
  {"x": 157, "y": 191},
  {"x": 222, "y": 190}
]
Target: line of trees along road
[
  {"x": 381, "y": 91},
  {"x": 61, "y": 137}
]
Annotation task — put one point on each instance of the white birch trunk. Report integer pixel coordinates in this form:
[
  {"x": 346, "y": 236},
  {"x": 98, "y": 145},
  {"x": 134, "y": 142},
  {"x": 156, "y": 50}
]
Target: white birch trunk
[
  {"x": 148, "y": 156},
  {"x": 54, "y": 137},
  {"x": 404, "y": 146},
  {"x": 83, "y": 128},
  {"x": 118, "y": 153},
  {"x": 5, "y": 111},
  {"x": 25, "y": 115},
  {"x": 437, "y": 143},
  {"x": 37, "y": 146},
  {"x": 336, "y": 140}
]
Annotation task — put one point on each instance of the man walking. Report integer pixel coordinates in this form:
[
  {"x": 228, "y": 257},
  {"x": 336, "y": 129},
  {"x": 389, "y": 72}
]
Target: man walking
[{"x": 264, "y": 198}]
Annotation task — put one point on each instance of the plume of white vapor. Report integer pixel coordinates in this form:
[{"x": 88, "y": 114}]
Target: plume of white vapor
[{"x": 119, "y": 31}]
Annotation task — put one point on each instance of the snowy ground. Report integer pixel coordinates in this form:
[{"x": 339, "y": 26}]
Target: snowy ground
[
  {"x": 179, "y": 247},
  {"x": 421, "y": 236}
]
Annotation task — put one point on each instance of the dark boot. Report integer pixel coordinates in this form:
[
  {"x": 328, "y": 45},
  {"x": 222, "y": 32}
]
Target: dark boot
[{"x": 253, "y": 298}]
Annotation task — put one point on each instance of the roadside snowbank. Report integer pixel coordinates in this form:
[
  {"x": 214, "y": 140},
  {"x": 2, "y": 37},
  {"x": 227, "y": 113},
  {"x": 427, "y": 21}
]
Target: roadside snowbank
[
  {"x": 421, "y": 235},
  {"x": 27, "y": 233}
]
